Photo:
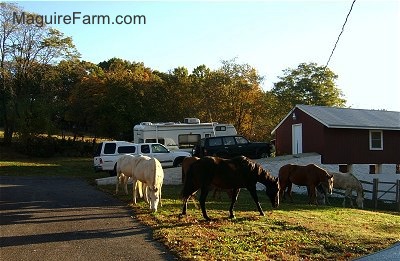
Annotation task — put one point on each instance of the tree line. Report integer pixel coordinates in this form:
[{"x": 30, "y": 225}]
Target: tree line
[{"x": 46, "y": 88}]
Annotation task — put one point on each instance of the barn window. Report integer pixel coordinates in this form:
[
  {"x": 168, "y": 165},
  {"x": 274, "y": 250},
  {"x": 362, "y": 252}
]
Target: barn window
[
  {"x": 343, "y": 168},
  {"x": 397, "y": 168},
  {"x": 375, "y": 140},
  {"x": 372, "y": 169}
]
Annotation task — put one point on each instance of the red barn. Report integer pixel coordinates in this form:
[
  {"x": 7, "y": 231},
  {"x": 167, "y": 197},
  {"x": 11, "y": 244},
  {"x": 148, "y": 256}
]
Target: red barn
[{"x": 340, "y": 135}]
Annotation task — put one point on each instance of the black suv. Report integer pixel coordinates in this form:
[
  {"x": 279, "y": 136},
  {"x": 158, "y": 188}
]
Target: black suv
[{"x": 231, "y": 146}]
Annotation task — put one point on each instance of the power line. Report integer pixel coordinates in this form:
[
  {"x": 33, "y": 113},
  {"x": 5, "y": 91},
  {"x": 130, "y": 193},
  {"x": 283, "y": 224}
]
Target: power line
[{"x": 333, "y": 50}]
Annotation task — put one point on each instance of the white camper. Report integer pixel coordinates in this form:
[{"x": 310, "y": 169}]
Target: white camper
[{"x": 179, "y": 135}]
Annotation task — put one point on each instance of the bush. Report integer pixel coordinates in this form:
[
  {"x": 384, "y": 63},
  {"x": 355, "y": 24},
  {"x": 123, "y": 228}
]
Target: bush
[{"x": 38, "y": 146}]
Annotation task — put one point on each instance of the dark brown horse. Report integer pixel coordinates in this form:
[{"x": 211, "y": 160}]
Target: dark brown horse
[
  {"x": 234, "y": 174},
  {"x": 310, "y": 176},
  {"x": 186, "y": 163}
]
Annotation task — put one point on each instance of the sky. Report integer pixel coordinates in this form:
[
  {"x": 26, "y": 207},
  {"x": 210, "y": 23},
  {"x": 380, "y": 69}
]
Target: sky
[{"x": 269, "y": 35}]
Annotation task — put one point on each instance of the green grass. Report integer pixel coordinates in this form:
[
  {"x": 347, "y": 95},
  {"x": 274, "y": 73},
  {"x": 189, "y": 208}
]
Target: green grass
[
  {"x": 61, "y": 167},
  {"x": 292, "y": 232}
]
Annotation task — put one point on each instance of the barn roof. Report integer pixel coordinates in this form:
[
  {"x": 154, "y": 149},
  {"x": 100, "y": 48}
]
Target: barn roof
[{"x": 333, "y": 117}]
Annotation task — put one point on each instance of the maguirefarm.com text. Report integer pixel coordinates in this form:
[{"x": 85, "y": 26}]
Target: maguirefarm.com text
[{"x": 76, "y": 18}]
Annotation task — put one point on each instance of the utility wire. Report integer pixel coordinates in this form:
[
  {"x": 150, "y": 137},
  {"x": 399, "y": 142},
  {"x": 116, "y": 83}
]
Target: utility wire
[{"x": 333, "y": 50}]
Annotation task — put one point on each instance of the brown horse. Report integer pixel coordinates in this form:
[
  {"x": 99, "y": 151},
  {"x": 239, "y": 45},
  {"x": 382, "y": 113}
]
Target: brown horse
[
  {"x": 186, "y": 163},
  {"x": 310, "y": 176},
  {"x": 235, "y": 173}
]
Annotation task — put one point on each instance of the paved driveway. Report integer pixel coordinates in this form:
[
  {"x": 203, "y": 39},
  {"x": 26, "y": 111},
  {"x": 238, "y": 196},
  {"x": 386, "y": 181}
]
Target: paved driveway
[{"x": 44, "y": 218}]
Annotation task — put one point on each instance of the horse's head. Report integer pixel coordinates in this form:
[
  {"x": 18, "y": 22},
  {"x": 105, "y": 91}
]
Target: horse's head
[
  {"x": 329, "y": 184},
  {"x": 272, "y": 191},
  {"x": 153, "y": 196},
  {"x": 360, "y": 197},
  {"x": 360, "y": 201}
]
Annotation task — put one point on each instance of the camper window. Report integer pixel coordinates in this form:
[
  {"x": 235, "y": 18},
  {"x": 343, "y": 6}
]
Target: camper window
[
  {"x": 160, "y": 140},
  {"x": 220, "y": 128},
  {"x": 188, "y": 140}
]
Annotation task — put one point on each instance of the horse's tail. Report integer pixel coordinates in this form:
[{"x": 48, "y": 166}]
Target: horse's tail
[
  {"x": 157, "y": 173},
  {"x": 188, "y": 183},
  {"x": 117, "y": 176}
]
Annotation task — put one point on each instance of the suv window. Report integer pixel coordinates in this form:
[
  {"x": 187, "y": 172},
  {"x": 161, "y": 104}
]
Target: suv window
[
  {"x": 241, "y": 140},
  {"x": 126, "y": 149},
  {"x": 98, "y": 150},
  {"x": 229, "y": 141},
  {"x": 215, "y": 142},
  {"x": 109, "y": 148},
  {"x": 145, "y": 149}
]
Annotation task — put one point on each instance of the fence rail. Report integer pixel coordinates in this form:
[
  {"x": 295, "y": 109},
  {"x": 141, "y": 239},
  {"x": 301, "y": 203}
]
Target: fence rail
[{"x": 378, "y": 193}]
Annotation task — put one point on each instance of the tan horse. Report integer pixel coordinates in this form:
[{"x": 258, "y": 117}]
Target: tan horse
[
  {"x": 310, "y": 176},
  {"x": 349, "y": 183}
]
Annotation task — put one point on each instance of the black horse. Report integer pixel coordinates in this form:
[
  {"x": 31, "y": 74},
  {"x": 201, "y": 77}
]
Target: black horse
[{"x": 234, "y": 174}]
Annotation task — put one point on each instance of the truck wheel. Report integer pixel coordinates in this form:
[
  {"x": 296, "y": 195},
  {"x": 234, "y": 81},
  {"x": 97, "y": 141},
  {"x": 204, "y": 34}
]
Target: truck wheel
[{"x": 177, "y": 162}]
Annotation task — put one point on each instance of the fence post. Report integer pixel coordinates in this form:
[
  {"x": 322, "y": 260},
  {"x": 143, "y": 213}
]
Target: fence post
[
  {"x": 398, "y": 194},
  {"x": 375, "y": 192}
]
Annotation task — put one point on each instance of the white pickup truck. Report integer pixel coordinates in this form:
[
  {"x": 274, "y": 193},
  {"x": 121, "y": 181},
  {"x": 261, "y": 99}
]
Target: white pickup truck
[{"x": 108, "y": 152}]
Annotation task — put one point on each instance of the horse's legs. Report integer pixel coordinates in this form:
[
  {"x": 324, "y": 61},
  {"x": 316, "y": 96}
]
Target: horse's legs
[
  {"x": 203, "y": 196},
  {"x": 235, "y": 194},
  {"x": 347, "y": 194},
  {"x": 117, "y": 183},
  {"x": 282, "y": 185},
  {"x": 125, "y": 180},
  {"x": 289, "y": 191},
  {"x": 134, "y": 181},
  {"x": 184, "y": 208},
  {"x": 253, "y": 193},
  {"x": 311, "y": 195}
]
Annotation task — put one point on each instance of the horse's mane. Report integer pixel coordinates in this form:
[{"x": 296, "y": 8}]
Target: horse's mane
[{"x": 253, "y": 167}]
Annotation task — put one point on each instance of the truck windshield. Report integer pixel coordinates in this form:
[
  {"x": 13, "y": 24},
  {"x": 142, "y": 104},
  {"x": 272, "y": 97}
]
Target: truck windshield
[{"x": 158, "y": 148}]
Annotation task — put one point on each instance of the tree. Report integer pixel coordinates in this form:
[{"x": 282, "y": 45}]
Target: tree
[
  {"x": 308, "y": 84},
  {"x": 26, "y": 50},
  {"x": 242, "y": 93}
]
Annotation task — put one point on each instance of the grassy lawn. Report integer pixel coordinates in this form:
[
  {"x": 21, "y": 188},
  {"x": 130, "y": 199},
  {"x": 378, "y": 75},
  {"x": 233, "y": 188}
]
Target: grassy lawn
[
  {"x": 292, "y": 232},
  {"x": 295, "y": 231},
  {"x": 17, "y": 165}
]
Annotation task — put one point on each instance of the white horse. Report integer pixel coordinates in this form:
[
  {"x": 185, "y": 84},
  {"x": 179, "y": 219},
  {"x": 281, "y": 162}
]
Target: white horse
[
  {"x": 140, "y": 189},
  {"x": 347, "y": 182},
  {"x": 141, "y": 169}
]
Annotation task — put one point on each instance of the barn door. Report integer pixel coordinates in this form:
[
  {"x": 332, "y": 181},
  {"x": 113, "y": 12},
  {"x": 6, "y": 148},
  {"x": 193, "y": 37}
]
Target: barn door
[{"x": 297, "y": 139}]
